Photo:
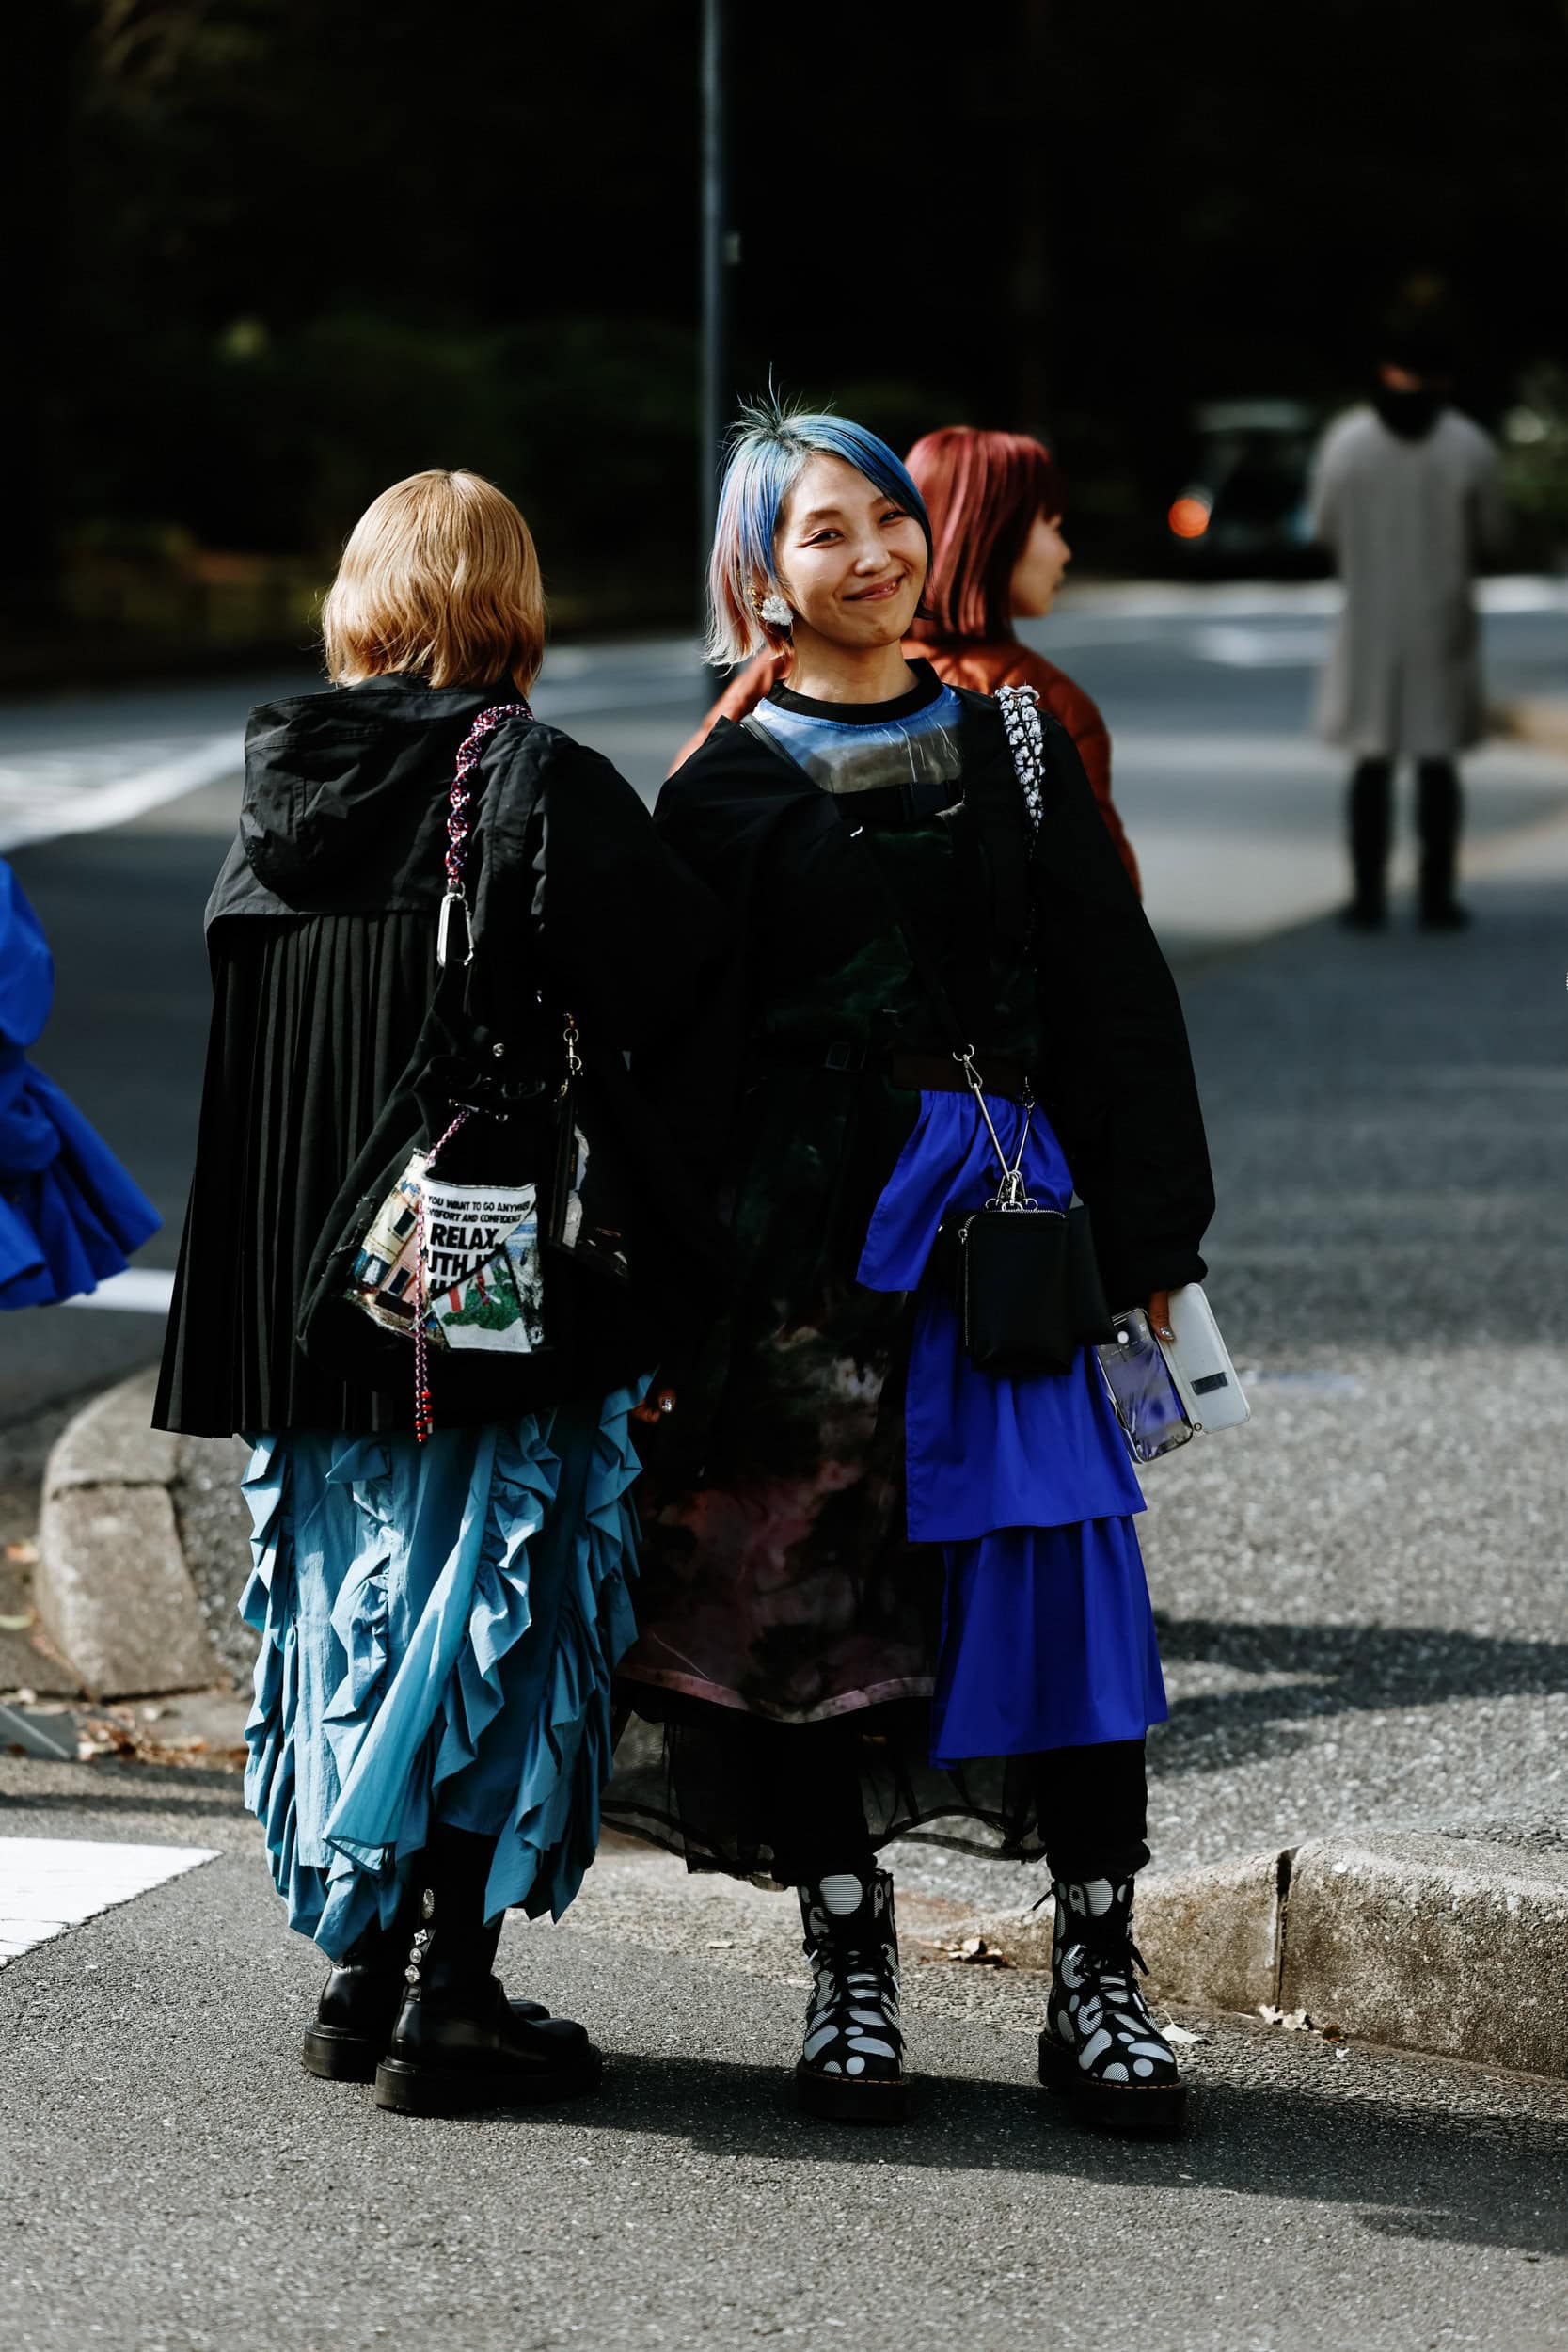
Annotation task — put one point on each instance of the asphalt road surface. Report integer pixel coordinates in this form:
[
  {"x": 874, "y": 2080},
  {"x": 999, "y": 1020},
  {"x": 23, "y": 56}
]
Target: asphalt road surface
[{"x": 171, "y": 2181}]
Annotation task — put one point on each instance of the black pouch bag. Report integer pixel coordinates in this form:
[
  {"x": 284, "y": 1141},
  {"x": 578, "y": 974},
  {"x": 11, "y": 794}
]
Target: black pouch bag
[{"x": 1029, "y": 1293}]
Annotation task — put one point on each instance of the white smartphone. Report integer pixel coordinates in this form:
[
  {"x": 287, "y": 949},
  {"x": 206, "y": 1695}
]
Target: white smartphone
[{"x": 1201, "y": 1363}]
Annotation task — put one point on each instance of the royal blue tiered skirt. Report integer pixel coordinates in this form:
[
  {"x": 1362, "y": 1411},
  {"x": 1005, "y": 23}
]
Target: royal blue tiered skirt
[
  {"x": 70, "y": 1214},
  {"x": 439, "y": 1625},
  {"x": 1047, "y": 1634}
]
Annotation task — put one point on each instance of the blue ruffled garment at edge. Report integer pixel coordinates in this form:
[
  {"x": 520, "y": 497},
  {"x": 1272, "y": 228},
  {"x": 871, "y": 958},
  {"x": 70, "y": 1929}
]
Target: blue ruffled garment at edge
[
  {"x": 70, "y": 1214},
  {"x": 439, "y": 1627},
  {"x": 1048, "y": 1636}
]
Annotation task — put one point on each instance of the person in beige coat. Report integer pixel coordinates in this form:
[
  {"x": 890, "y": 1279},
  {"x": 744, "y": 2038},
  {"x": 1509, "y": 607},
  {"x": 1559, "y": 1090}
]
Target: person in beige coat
[{"x": 1406, "y": 499}]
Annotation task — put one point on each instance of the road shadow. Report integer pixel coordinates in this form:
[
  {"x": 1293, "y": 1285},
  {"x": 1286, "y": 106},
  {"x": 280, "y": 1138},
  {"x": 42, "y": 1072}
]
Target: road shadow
[
  {"x": 1414, "y": 2171},
  {"x": 1345, "y": 1669},
  {"x": 119, "y": 1791}
]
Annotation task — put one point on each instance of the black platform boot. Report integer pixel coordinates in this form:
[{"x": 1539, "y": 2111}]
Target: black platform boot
[
  {"x": 360, "y": 2000},
  {"x": 459, "y": 2043},
  {"x": 852, "y": 2063},
  {"x": 1100, "y": 2048}
]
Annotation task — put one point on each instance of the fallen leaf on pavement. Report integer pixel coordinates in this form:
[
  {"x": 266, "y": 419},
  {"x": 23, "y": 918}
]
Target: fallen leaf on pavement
[
  {"x": 719, "y": 1944},
  {"x": 23, "y": 1555},
  {"x": 1180, "y": 2035},
  {"x": 975, "y": 1952},
  {"x": 123, "y": 1734}
]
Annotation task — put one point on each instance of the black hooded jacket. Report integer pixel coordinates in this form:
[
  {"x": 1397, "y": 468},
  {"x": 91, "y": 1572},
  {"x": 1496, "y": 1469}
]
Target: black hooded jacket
[{"x": 321, "y": 933}]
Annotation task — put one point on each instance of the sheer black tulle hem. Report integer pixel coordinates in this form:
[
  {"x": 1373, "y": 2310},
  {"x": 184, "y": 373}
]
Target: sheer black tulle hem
[{"x": 734, "y": 1792}]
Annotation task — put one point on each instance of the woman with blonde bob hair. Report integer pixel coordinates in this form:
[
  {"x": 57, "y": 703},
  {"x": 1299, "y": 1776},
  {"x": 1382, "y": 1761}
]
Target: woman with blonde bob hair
[
  {"x": 438, "y": 1610},
  {"x": 891, "y": 1576}
]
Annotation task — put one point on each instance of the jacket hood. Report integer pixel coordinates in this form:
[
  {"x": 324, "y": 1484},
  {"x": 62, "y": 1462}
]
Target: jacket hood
[{"x": 345, "y": 792}]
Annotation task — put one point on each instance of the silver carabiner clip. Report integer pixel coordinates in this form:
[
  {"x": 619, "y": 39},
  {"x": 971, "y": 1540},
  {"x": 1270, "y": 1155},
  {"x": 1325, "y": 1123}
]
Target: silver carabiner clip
[{"x": 443, "y": 929}]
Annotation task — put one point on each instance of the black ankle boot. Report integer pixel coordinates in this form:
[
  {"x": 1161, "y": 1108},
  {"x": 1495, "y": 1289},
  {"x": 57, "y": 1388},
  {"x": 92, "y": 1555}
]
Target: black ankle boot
[
  {"x": 852, "y": 2063},
  {"x": 360, "y": 2000},
  {"x": 459, "y": 2043},
  {"x": 1100, "y": 2048}
]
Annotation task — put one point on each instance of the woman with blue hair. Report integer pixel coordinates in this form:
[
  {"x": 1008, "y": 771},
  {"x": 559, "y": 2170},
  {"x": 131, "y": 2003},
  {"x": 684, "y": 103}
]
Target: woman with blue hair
[{"x": 884, "y": 1586}]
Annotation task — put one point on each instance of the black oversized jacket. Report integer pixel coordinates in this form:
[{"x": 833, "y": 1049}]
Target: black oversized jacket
[
  {"x": 322, "y": 931},
  {"x": 1114, "y": 1070}
]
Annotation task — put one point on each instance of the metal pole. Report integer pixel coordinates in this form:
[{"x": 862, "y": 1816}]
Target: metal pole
[{"x": 721, "y": 251}]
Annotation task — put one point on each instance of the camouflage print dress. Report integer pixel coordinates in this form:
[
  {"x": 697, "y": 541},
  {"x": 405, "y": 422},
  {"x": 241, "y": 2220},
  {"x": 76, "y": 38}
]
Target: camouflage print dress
[{"x": 778, "y": 1584}]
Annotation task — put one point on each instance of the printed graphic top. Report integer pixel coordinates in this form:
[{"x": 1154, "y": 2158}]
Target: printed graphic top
[{"x": 865, "y": 747}]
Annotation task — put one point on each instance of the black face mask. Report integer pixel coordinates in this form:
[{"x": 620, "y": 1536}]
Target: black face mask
[{"x": 1411, "y": 415}]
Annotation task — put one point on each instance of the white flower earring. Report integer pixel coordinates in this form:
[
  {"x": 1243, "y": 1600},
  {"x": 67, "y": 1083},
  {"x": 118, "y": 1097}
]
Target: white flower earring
[{"x": 775, "y": 610}]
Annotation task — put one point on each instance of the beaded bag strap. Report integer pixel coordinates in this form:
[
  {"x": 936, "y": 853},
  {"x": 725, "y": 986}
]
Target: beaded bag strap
[{"x": 459, "y": 824}]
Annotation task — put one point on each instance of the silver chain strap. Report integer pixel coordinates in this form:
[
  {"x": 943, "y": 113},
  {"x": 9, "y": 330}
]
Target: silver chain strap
[{"x": 1018, "y": 705}]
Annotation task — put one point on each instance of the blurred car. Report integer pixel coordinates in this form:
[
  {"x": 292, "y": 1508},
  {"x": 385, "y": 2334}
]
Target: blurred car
[{"x": 1244, "y": 506}]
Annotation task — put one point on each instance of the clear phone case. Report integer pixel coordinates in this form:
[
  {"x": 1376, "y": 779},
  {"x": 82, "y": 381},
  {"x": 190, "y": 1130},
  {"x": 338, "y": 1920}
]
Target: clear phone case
[{"x": 1152, "y": 1417}]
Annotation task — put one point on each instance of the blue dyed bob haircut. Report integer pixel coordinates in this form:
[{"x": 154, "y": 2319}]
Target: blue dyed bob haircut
[{"x": 769, "y": 446}]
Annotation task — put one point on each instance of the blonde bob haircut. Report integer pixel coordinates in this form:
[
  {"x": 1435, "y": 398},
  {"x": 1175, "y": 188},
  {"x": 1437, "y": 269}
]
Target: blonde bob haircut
[{"x": 440, "y": 577}]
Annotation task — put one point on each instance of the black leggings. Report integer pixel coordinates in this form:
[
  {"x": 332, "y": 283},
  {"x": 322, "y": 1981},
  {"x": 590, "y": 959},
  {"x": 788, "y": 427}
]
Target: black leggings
[{"x": 1093, "y": 1806}]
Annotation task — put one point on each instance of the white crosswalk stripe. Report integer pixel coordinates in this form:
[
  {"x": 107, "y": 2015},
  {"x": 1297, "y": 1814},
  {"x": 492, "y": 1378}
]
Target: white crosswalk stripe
[
  {"x": 44, "y": 794},
  {"x": 139, "y": 1290},
  {"x": 48, "y": 1884}
]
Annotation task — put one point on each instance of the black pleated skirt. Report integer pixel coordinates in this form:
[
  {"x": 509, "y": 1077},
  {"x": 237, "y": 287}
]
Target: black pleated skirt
[{"x": 313, "y": 1023}]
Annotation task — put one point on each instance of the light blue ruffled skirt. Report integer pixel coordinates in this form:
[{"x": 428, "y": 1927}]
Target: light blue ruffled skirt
[{"x": 439, "y": 1627}]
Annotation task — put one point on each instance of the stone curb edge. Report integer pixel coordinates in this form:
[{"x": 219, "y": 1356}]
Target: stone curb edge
[
  {"x": 111, "y": 1586},
  {"x": 1449, "y": 1946},
  {"x": 1540, "y": 719}
]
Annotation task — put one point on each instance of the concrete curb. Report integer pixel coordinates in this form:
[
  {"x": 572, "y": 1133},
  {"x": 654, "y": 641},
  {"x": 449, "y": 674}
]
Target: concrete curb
[
  {"x": 111, "y": 1586},
  {"x": 1451, "y": 1946}
]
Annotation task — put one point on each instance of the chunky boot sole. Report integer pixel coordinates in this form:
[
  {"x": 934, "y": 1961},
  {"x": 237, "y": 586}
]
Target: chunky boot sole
[
  {"x": 1140, "y": 2111},
  {"x": 841, "y": 2099},
  {"x": 335, "y": 2055},
  {"x": 408, "y": 2088}
]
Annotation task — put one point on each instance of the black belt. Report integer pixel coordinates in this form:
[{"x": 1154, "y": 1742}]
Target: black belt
[
  {"x": 939, "y": 1073},
  {"x": 933, "y": 1073}
]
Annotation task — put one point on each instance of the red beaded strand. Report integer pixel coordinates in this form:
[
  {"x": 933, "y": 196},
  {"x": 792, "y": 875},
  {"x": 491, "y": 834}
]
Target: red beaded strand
[
  {"x": 457, "y": 813},
  {"x": 424, "y": 1415},
  {"x": 457, "y": 848}
]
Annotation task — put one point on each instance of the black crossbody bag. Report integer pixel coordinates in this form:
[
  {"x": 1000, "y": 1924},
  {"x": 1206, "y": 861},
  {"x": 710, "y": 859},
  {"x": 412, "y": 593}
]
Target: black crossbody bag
[
  {"x": 1025, "y": 1278},
  {"x": 480, "y": 1243}
]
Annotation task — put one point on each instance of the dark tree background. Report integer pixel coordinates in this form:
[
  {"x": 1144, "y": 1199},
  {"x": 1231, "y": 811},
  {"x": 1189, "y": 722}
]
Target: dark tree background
[{"x": 282, "y": 253}]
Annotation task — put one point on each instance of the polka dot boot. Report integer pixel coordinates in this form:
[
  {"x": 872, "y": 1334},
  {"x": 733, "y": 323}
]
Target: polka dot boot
[
  {"x": 852, "y": 2065},
  {"x": 1100, "y": 2048}
]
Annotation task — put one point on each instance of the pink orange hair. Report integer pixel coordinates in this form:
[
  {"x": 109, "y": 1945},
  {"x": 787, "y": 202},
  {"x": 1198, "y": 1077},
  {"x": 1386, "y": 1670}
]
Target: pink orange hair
[{"x": 984, "y": 492}]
